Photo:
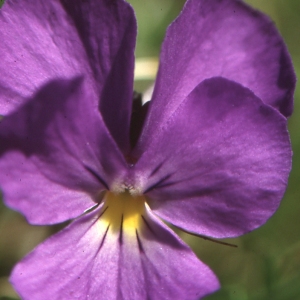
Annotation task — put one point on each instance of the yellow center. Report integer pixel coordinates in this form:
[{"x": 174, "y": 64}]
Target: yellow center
[{"x": 123, "y": 212}]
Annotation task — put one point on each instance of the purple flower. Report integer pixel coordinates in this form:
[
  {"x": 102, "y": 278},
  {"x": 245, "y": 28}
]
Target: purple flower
[{"x": 213, "y": 157}]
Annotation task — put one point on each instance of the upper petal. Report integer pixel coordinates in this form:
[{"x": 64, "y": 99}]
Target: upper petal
[
  {"x": 45, "y": 40},
  {"x": 38, "y": 44},
  {"x": 87, "y": 261},
  {"x": 219, "y": 164},
  {"x": 107, "y": 29},
  {"x": 56, "y": 154},
  {"x": 222, "y": 38}
]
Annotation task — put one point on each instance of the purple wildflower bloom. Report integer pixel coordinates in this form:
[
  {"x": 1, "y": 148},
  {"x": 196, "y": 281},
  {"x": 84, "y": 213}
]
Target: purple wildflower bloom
[{"x": 213, "y": 157}]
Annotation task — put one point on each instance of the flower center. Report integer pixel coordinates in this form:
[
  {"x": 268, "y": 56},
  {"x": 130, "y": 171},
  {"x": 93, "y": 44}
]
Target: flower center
[{"x": 123, "y": 212}]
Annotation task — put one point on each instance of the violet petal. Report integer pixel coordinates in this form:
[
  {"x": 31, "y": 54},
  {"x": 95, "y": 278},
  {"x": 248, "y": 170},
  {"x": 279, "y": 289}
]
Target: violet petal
[
  {"x": 45, "y": 40},
  {"x": 87, "y": 261},
  {"x": 223, "y": 38},
  {"x": 56, "y": 154},
  {"x": 219, "y": 165},
  {"x": 38, "y": 44},
  {"x": 108, "y": 31}
]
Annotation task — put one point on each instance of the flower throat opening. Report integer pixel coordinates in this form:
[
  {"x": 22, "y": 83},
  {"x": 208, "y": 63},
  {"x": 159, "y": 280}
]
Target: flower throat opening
[{"x": 123, "y": 212}]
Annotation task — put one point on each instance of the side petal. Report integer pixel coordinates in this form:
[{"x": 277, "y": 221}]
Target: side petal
[
  {"x": 223, "y": 38},
  {"x": 46, "y": 40},
  {"x": 219, "y": 165},
  {"x": 87, "y": 261},
  {"x": 107, "y": 29},
  {"x": 56, "y": 154}
]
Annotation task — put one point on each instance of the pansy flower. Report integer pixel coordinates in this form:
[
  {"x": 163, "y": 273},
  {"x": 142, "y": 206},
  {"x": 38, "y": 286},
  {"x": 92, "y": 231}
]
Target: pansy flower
[{"x": 213, "y": 156}]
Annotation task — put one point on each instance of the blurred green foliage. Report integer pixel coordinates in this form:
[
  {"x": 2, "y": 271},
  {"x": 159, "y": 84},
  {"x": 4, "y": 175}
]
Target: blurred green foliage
[{"x": 266, "y": 264}]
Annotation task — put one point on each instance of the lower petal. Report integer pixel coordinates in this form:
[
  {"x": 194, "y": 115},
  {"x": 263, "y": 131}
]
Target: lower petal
[{"x": 116, "y": 252}]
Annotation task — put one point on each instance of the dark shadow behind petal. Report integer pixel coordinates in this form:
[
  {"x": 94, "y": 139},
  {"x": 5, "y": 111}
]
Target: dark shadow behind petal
[{"x": 86, "y": 260}]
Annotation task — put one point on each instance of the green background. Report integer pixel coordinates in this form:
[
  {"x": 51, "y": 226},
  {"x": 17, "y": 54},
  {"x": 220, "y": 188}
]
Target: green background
[{"x": 266, "y": 264}]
